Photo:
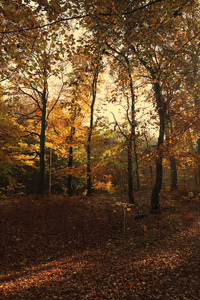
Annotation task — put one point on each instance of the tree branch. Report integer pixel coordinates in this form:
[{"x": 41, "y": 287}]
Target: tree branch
[
  {"x": 119, "y": 126},
  {"x": 43, "y": 26}
]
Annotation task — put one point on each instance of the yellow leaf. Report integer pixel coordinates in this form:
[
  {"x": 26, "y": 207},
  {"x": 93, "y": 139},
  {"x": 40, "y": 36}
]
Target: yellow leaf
[
  {"x": 85, "y": 193},
  {"x": 24, "y": 262},
  {"x": 144, "y": 227}
]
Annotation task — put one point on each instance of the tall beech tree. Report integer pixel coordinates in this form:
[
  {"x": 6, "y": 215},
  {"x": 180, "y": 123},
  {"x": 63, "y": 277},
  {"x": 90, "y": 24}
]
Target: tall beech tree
[
  {"x": 90, "y": 129},
  {"x": 70, "y": 155},
  {"x": 43, "y": 61},
  {"x": 70, "y": 161},
  {"x": 124, "y": 63},
  {"x": 87, "y": 64}
]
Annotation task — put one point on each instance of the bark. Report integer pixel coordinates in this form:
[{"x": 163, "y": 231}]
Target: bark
[
  {"x": 130, "y": 174},
  {"x": 88, "y": 148},
  {"x": 132, "y": 141},
  {"x": 70, "y": 162},
  {"x": 89, "y": 182},
  {"x": 137, "y": 166},
  {"x": 159, "y": 158},
  {"x": 133, "y": 136},
  {"x": 42, "y": 143}
]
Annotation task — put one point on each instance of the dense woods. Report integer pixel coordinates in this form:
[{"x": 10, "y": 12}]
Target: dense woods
[
  {"x": 99, "y": 147},
  {"x": 63, "y": 65}
]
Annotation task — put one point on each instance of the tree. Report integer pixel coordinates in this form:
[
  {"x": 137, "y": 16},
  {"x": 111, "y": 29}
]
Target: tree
[
  {"x": 149, "y": 44},
  {"x": 14, "y": 38},
  {"x": 158, "y": 56},
  {"x": 10, "y": 152},
  {"x": 43, "y": 61},
  {"x": 127, "y": 82}
]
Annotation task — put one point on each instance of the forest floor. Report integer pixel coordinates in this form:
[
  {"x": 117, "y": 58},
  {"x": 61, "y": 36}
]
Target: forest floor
[{"x": 94, "y": 248}]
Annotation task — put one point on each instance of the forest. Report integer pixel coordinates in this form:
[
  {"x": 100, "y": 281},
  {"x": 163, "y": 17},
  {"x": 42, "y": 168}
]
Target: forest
[{"x": 99, "y": 149}]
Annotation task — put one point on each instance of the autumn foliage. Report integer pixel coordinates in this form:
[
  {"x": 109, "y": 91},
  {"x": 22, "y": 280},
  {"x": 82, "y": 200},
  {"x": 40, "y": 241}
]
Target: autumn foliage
[
  {"x": 99, "y": 148},
  {"x": 64, "y": 66}
]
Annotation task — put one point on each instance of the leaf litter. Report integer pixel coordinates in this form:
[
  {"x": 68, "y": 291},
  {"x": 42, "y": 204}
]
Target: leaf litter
[{"x": 80, "y": 248}]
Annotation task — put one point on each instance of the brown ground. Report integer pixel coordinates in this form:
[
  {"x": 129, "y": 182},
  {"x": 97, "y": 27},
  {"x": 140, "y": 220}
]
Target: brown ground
[{"x": 81, "y": 248}]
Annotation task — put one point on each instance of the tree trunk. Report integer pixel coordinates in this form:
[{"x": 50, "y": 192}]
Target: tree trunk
[
  {"x": 88, "y": 148},
  {"x": 89, "y": 182},
  {"x": 130, "y": 173},
  {"x": 131, "y": 140},
  {"x": 159, "y": 167},
  {"x": 42, "y": 143},
  {"x": 70, "y": 162},
  {"x": 137, "y": 167}
]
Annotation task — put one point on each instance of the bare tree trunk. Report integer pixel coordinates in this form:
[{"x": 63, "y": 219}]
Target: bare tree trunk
[
  {"x": 70, "y": 162},
  {"x": 137, "y": 166},
  {"x": 89, "y": 182},
  {"x": 88, "y": 148},
  {"x": 159, "y": 158},
  {"x": 130, "y": 174},
  {"x": 131, "y": 140},
  {"x": 42, "y": 143}
]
